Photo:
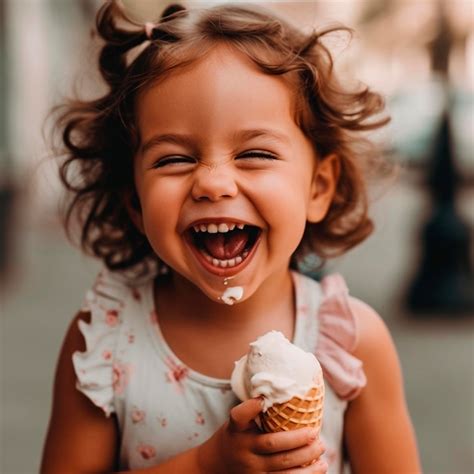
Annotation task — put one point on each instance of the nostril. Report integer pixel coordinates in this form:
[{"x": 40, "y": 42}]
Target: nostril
[
  {"x": 212, "y": 199},
  {"x": 213, "y": 187},
  {"x": 202, "y": 198}
]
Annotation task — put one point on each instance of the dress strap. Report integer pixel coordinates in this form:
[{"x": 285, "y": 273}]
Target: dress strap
[{"x": 337, "y": 338}]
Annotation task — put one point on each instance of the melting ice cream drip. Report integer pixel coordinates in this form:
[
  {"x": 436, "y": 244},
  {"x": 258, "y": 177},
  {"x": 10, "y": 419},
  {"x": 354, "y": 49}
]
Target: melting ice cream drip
[{"x": 232, "y": 294}]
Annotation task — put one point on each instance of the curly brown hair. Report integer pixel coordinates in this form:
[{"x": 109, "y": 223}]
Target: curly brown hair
[{"x": 100, "y": 136}]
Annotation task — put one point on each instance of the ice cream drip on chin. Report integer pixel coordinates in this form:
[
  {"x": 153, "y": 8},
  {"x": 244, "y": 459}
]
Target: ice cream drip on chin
[{"x": 231, "y": 294}]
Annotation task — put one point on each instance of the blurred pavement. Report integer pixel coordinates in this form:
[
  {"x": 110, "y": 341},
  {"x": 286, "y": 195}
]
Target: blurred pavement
[{"x": 437, "y": 354}]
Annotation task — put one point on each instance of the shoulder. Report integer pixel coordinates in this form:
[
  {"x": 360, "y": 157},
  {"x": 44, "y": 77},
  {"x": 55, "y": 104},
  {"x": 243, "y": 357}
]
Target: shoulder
[
  {"x": 372, "y": 334},
  {"x": 74, "y": 341},
  {"x": 375, "y": 348},
  {"x": 374, "y": 345}
]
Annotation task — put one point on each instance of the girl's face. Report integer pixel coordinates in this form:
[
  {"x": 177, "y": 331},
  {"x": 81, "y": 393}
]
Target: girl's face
[{"x": 225, "y": 178}]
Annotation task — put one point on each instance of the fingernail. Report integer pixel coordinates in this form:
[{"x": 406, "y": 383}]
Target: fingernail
[{"x": 313, "y": 434}]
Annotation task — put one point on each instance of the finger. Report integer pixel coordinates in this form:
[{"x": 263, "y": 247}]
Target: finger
[
  {"x": 320, "y": 467},
  {"x": 295, "y": 458},
  {"x": 284, "y": 440},
  {"x": 242, "y": 415}
]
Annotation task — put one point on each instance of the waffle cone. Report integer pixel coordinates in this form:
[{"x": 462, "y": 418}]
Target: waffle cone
[{"x": 299, "y": 412}]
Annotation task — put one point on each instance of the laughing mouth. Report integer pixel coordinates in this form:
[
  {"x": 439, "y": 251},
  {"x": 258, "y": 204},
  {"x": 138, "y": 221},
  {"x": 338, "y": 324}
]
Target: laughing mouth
[{"x": 224, "y": 244}]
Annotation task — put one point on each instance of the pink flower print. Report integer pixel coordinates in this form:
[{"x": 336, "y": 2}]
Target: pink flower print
[
  {"x": 199, "y": 418},
  {"x": 120, "y": 377},
  {"x": 136, "y": 294},
  {"x": 193, "y": 436},
  {"x": 130, "y": 337},
  {"x": 112, "y": 318},
  {"x": 107, "y": 355},
  {"x": 147, "y": 451},
  {"x": 176, "y": 374},
  {"x": 163, "y": 421},
  {"x": 137, "y": 415}
]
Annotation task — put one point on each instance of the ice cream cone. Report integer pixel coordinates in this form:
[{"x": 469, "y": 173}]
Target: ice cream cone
[{"x": 295, "y": 413}]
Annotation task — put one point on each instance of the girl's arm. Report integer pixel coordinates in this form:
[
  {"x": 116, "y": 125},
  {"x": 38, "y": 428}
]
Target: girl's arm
[
  {"x": 80, "y": 438},
  {"x": 379, "y": 436}
]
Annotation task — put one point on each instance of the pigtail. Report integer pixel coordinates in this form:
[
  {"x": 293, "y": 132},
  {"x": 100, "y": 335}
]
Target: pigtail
[
  {"x": 112, "y": 59},
  {"x": 171, "y": 11},
  {"x": 118, "y": 42}
]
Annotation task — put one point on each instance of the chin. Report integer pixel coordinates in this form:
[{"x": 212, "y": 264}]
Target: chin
[{"x": 229, "y": 296}]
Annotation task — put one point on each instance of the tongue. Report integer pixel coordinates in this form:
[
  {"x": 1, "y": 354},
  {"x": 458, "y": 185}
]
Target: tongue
[{"x": 225, "y": 246}]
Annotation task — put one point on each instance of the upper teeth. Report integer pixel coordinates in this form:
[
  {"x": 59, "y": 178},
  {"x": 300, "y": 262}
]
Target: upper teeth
[{"x": 214, "y": 228}]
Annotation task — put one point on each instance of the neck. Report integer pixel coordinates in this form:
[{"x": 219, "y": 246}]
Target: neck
[{"x": 274, "y": 297}]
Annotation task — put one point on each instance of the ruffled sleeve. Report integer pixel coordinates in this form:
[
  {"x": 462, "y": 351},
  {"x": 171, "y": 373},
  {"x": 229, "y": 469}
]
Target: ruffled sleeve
[
  {"x": 337, "y": 339},
  {"x": 95, "y": 366}
]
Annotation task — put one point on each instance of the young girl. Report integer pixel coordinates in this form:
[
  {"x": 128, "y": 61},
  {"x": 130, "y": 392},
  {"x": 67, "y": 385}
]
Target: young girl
[{"x": 223, "y": 153}]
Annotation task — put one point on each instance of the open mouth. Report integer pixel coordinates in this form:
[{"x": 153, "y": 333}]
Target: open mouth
[{"x": 224, "y": 244}]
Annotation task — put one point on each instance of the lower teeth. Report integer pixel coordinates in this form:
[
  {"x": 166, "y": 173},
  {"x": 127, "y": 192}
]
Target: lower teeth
[{"x": 226, "y": 263}]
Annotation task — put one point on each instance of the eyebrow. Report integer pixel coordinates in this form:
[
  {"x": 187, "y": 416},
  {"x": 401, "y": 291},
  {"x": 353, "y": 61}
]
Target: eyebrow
[{"x": 239, "y": 135}]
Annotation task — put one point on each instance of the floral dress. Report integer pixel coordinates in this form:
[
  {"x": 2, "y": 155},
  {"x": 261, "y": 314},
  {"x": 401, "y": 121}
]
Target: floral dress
[{"x": 164, "y": 407}]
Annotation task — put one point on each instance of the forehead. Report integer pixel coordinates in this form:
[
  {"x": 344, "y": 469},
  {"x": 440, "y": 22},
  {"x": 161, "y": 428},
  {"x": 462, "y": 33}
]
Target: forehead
[{"x": 222, "y": 88}]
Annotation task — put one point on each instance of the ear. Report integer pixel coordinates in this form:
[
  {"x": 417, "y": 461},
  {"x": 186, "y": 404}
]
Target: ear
[
  {"x": 323, "y": 186},
  {"x": 134, "y": 210}
]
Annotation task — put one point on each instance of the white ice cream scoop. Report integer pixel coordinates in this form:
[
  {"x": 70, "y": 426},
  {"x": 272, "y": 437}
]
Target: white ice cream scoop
[{"x": 275, "y": 369}]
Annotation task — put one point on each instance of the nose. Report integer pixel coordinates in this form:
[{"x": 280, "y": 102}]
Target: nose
[{"x": 213, "y": 184}]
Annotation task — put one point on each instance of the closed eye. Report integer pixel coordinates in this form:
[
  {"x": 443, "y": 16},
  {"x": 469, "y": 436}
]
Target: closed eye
[
  {"x": 262, "y": 155},
  {"x": 173, "y": 160}
]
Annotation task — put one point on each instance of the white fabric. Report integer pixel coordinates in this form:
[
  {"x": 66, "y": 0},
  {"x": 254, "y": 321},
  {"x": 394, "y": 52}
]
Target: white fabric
[{"x": 162, "y": 406}]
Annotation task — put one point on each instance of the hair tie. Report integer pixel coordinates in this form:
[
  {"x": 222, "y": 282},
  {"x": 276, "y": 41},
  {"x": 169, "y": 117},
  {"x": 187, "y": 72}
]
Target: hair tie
[{"x": 149, "y": 27}]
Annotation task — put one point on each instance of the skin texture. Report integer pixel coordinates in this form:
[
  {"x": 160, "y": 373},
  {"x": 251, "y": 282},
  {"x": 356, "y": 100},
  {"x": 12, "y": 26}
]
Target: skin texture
[{"x": 210, "y": 177}]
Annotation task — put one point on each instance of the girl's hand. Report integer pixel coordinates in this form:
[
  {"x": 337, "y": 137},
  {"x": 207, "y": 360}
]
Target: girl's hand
[{"x": 238, "y": 447}]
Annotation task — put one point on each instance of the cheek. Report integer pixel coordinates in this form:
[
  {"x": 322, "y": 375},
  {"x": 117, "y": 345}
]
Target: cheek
[
  {"x": 153, "y": 203},
  {"x": 283, "y": 202},
  {"x": 159, "y": 206}
]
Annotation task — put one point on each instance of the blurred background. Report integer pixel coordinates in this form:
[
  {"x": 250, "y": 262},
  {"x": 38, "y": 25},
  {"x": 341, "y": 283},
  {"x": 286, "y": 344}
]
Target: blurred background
[{"x": 416, "y": 270}]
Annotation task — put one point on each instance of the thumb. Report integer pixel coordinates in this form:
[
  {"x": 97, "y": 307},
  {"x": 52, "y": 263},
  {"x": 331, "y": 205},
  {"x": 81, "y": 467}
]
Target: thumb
[{"x": 242, "y": 415}]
